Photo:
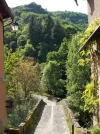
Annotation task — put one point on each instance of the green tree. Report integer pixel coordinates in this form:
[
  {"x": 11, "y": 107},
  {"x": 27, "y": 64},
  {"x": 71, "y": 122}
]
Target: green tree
[
  {"x": 43, "y": 50},
  {"x": 13, "y": 46},
  {"x": 77, "y": 78},
  {"x": 11, "y": 60},
  {"x": 60, "y": 56},
  {"x": 58, "y": 33},
  {"x": 35, "y": 32},
  {"x": 51, "y": 81},
  {"x": 26, "y": 78},
  {"x": 48, "y": 30},
  {"x": 70, "y": 30},
  {"x": 28, "y": 51},
  {"x": 21, "y": 40}
]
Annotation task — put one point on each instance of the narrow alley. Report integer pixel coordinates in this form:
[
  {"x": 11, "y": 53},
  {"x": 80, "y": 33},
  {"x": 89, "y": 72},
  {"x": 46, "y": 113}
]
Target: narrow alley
[{"x": 52, "y": 120}]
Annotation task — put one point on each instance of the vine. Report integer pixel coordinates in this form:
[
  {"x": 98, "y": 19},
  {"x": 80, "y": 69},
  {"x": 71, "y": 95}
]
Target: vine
[
  {"x": 90, "y": 95},
  {"x": 90, "y": 99}
]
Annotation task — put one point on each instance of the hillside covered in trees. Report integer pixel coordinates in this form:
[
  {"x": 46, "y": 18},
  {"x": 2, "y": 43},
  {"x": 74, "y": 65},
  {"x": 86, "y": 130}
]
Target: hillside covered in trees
[
  {"x": 39, "y": 29},
  {"x": 42, "y": 57}
]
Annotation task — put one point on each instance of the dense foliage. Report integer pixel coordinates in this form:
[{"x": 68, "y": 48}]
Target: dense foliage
[
  {"x": 82, "y": 92},
  {"x": 32, "y": 7},
  {"x": 77, "y": 77},
  {"x": 20, "y": 112},
  {"x": 54, "y": 77},
  {"x": 42, "y": 57},
  {"x": 22, "y": 79},
  {"x": 79, "y": 20},
  {"x": 90, "y": 95},
  {"x": 40, "y": 31}
]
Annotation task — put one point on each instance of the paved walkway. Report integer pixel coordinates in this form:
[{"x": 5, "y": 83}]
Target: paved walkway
[{"x": 52, "y": 120}]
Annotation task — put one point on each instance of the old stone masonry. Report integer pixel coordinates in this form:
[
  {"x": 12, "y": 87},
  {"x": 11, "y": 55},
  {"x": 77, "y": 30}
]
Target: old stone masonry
[{"x": 52, "y": 120}]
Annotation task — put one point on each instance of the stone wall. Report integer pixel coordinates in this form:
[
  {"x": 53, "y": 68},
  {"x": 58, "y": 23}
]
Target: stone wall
[
  {"x": 75, "y": 127},
  {"x": 29, "y": 125},
  {"x": 93, "y": 9}
]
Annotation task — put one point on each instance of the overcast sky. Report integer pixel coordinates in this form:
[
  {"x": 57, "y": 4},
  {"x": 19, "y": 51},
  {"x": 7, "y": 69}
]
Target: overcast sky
[{"x": 53, "y": 5}]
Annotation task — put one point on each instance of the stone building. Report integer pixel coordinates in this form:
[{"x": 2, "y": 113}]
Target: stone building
[
  {"x": 93, "y": 13},
  {"x": 93, "y": 9},
  {"x": 4, "y": 14}
]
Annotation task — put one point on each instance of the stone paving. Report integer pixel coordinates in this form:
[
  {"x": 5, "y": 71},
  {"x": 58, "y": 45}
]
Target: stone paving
[{"x": 52, "y": 120}]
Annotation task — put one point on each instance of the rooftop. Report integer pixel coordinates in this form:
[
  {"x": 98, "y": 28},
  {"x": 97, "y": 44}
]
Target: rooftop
[
  {"x": 94, "y": 36},
  {"x": 5, "y": 10}
]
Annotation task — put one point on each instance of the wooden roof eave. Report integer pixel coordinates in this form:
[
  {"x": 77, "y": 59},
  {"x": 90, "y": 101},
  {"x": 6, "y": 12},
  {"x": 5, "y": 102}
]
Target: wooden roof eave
[
  {"x": 5, "y": 11},
  {"x": 94, "y": 36}
]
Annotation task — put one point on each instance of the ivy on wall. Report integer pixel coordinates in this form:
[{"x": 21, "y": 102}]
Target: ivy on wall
[{"x": 90, "y": 95}]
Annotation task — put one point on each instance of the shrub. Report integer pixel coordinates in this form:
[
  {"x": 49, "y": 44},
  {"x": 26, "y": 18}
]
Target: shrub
[
  {"x": 96, "y": 130},
  {"x": 19, "y": 114}
]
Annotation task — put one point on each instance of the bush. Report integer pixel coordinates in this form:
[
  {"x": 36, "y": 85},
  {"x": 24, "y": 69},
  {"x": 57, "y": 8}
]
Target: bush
[
  {"x": 19, "y": 114},
  {"x": 96, "y": 130}
]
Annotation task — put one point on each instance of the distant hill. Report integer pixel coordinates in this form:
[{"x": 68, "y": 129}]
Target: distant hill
[
  {"x": 32, "y": 7},
  {"x": 66, "y": 16},
  {"x": 40, "y": 31},
  {"x": 72, "y": 17}
]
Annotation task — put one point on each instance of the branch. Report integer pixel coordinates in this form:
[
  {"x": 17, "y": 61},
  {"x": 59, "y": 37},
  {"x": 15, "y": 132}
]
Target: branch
[{"x": 76, "y": 2}]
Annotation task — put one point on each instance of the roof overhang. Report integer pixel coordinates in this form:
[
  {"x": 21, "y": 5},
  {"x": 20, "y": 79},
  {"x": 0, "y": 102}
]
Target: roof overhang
[
  {"x": 5, "y": 10},
  {"x": 94, "y": 36}
]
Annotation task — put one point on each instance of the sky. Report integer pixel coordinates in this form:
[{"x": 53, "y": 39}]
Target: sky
[{"x": 53, "y": 5}]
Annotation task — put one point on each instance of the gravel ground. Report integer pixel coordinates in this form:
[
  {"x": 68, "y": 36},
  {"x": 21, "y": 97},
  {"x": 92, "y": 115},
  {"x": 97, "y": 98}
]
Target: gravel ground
[{"x": 52, "y": 120}]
